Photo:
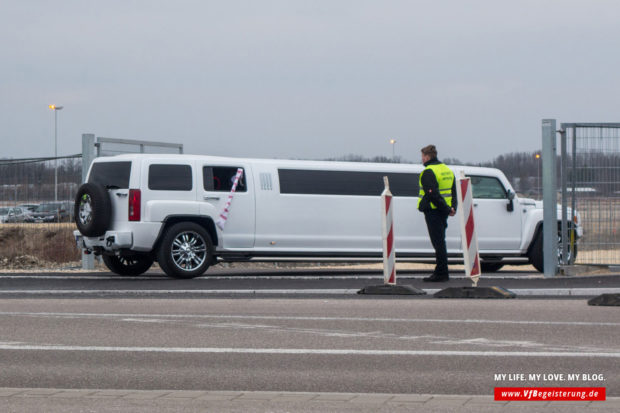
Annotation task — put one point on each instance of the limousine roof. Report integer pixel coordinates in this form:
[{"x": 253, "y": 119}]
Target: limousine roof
[{"x": 310, "y": 164}]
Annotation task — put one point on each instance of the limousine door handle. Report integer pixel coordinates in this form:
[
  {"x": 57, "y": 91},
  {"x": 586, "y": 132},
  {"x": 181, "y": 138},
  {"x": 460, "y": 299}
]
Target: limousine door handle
[{"x": 211, "y": 198}]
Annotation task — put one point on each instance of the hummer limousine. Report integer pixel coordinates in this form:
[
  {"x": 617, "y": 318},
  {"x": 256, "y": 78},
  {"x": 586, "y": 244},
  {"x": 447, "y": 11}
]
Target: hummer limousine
[{"x": 136, "y": 209}]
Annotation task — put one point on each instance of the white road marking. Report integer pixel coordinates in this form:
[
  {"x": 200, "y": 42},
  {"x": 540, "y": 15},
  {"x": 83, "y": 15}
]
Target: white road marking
[
  {"x": 303, "y": 318},
  {"x": 479, "y": 342},
  {"x": 238, "y": 324},
  {"x": 305, "y": 351}
]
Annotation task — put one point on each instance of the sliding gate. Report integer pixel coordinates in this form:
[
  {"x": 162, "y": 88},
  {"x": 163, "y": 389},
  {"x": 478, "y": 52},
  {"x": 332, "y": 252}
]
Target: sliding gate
[{"x": 589, "y": 185}]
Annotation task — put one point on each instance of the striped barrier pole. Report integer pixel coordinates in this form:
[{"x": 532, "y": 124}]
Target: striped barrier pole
[
  {"x": 389, "y": 255},
  {"x": 469, "y": 239},
  {"x": 224, "y": 215}
]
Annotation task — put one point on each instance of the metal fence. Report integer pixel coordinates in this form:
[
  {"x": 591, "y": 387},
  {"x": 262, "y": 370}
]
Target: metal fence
[
  {"x": 32, "y": 179},
  {"x": 590, "y": 185},
  {"x": 36, "y": 211},
  {"x": 37, "y": 197}
]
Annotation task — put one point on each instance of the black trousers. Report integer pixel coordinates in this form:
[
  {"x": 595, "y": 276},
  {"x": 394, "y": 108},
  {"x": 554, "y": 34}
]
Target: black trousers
[{"x": 436, "y": 223}]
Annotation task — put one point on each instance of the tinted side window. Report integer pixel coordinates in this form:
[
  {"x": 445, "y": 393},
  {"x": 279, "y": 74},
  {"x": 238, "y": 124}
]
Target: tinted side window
[
  {"x": 298, "y": 181},
  {"x": 113, "y": 174},
  {"x": 221, "y": 178},
  {"x": 487, "y": 187},
  {"x": 170, "y": 177}
]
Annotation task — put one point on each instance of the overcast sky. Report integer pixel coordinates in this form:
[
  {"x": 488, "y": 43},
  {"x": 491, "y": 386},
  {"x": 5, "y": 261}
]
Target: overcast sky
[{"x": 305, "y": 79}]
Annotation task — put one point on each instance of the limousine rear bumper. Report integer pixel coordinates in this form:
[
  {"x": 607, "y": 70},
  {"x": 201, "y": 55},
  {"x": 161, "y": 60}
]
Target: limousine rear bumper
[{"x": 110, "y": 241}]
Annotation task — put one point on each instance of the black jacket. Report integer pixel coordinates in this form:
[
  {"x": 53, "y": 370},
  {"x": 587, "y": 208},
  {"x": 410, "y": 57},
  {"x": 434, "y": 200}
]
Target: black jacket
[{"x": 431, "y": 191}]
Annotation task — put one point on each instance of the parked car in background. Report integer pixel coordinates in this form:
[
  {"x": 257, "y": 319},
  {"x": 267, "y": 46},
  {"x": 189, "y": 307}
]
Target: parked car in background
[
  {"x": 28, "y": 208},
  {"x": 12, "y": 214},
  {"x": 51, "y": 212}
]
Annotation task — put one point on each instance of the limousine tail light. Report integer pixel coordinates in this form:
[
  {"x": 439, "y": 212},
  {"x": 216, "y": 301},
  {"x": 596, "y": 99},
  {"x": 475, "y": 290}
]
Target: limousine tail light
[{"x": 134, "y": 204}]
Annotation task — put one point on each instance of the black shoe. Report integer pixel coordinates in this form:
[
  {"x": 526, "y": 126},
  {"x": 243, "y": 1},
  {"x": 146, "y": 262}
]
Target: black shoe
[{"x": 437, "y": 278}]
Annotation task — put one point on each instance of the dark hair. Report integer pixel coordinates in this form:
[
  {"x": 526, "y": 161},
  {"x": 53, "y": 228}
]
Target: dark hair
[{"x": 430, "y": 150}]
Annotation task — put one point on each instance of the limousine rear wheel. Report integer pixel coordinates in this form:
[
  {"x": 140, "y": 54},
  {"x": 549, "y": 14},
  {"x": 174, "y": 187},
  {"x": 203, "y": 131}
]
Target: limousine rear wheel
[
  {"x": 186, "y": 250},
  {"x": 128, "y": 265}
]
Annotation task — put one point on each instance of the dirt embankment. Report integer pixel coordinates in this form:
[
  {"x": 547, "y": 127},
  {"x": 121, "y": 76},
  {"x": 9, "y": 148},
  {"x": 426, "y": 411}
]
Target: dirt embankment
[{"x": 32, "y": 246}]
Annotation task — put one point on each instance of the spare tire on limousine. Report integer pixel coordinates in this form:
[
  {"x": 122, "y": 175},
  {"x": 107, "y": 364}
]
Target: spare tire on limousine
[{"x": 92, "y": 209}]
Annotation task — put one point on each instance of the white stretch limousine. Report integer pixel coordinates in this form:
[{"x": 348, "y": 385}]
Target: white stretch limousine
[{"x": 137, "y": 209}]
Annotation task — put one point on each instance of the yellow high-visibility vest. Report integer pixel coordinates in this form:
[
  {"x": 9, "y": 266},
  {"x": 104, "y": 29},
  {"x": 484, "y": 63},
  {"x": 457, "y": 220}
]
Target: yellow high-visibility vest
[{"x": 445, "y": 179}]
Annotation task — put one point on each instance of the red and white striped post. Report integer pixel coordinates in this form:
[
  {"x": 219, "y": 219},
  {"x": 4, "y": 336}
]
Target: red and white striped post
[
  {"x": 224, "y": 215},
  {"x": 469, "y": 239},
  {"x": 389, "y": 256}
]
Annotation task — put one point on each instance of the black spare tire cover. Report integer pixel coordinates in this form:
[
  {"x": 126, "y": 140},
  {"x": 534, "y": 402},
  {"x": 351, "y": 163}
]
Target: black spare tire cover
[{"x": 92, "y": 209}]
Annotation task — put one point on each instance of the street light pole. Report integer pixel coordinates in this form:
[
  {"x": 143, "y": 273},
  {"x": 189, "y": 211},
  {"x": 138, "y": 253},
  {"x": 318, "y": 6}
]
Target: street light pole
[
  {"x": 393, "y": 143},
  {"x": 55, "y": 109}
]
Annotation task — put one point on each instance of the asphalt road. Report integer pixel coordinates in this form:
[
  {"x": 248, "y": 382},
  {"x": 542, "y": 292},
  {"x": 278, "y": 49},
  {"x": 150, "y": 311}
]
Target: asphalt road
[
  {"x": 324, "y": 344},
  {"x": 397, "y": 346}
]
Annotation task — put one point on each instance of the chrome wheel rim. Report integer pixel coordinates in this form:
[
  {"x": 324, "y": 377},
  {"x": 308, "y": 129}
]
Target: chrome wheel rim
[
  {"x": 85, "y": 213},
  {"x": 127, "y": 261},
  {"x": 560, "y": 252},
  {"x": 189, "y": 251}
]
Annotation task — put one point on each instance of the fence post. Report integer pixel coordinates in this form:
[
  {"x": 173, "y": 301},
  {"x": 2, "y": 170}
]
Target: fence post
[
  {"x": 550, "y": 202},
  {"x": 564, "y": 212},
  {"x": 88, "y": 154}
]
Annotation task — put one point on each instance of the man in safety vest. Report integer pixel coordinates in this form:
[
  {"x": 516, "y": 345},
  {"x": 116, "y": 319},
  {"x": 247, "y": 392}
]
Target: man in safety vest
[{"x": 437, "y": 201}]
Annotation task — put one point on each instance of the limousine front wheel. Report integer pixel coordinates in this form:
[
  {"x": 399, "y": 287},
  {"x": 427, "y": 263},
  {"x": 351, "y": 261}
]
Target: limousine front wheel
[
  {"x": 186, "y": 250},
  {"x": 536, "y": 253}
]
